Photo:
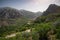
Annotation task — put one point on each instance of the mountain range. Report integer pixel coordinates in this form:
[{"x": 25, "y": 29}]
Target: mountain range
[{"x": 10, "y": 15}]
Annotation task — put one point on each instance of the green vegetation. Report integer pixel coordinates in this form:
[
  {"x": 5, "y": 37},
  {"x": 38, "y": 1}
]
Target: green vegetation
[
  {"x": 40, "y": 30},
  {"x": 43, "y": 28}
]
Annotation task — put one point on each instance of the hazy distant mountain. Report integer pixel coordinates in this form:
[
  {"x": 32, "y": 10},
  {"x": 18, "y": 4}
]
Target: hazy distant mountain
[
  {"x": 52, "y": 9},
  {"x": 28, "y": 14},
  {"x": 38, "y": 14}
]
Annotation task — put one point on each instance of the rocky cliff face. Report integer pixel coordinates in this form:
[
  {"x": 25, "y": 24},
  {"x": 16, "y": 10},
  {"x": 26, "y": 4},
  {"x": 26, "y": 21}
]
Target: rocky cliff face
[
  {"x": 52, "y": 9},
  {"x": 8, "y": 12}
]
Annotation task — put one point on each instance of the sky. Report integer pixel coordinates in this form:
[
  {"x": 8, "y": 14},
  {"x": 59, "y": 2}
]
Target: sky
[{"x": 30, "y": 5}]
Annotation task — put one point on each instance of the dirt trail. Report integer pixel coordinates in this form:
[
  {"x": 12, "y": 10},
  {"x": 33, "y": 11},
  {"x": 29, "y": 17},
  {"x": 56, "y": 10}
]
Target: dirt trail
[{"x": 14, "y": 34}]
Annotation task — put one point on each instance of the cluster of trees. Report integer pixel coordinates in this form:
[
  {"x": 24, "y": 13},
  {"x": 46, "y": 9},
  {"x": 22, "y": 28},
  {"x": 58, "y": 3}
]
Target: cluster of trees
[{"x": 40, "y": 30}]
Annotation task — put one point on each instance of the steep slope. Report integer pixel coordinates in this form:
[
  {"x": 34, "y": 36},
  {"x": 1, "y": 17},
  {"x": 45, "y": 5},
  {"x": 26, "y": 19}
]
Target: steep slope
[
  {"x": 8, "y": 12},
  {"x": 52, "y": 9}
]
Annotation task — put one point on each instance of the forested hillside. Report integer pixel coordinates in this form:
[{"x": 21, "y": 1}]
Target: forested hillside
[{"x": 44, "y": 27}]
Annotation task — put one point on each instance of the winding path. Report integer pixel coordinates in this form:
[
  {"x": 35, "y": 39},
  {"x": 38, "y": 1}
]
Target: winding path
[{"x": 14, "y": 34}]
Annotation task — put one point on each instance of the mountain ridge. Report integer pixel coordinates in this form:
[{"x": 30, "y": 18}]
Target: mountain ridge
[{"x": 53, "y": 8}]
